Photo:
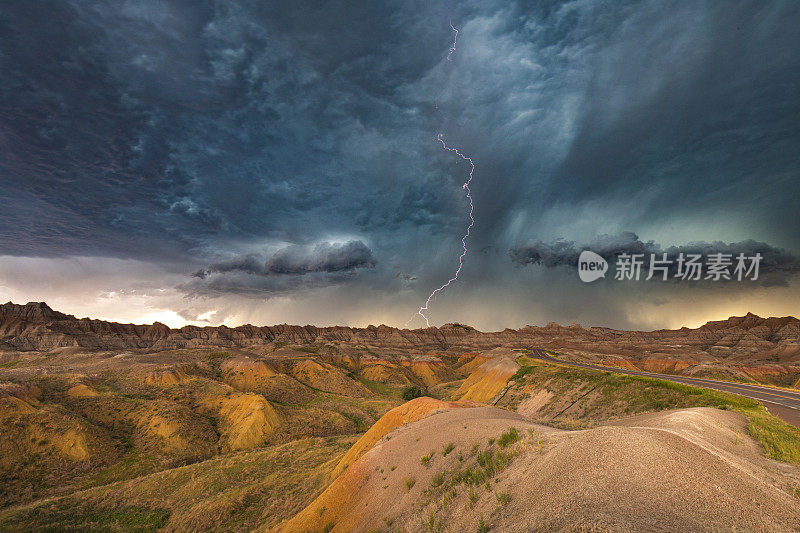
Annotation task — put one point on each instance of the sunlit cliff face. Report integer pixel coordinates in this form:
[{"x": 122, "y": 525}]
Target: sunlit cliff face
[{"x": 206, "y": 163}]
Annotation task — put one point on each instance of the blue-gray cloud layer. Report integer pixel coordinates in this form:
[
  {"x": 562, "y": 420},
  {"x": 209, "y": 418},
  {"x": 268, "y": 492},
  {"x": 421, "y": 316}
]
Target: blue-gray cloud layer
[
  {"x": 197, "y": 134},
  {"x": 298, "y": 260},
  {"x": 774, "y": 263}
]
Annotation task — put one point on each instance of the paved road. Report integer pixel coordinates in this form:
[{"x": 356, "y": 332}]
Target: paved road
[{"x": 781, "y": 403}]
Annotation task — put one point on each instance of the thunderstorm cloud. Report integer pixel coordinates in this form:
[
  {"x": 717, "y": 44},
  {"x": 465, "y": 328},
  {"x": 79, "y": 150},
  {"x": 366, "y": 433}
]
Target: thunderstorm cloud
[
  {"x": 299, "y": 260},
  {"x": 285, "y": 154},
  {"x": 564, "y": 253}
]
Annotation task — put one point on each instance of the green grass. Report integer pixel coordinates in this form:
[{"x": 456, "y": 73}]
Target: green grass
[
  {"x": 638, "y": 394},
  {"x": 305, "y": 349},
  {"x": 235, "y": 486},
  {"x": 133, "y": 464},
  {"x": 382, "y": 389},
  {"x": 64, "y": 515},
  {"x": 781, "y": 441},
  {"x": 502, "y": 497},
  {"x": 509, "y": 437},
  {"x": 482, "y": 525},
  {"x": 425, "y": 459}
]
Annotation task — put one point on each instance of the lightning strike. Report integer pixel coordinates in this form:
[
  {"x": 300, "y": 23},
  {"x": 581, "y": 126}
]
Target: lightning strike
[
  {"x": 455, "y": 39},
  {"x": 465, "y": 186}
]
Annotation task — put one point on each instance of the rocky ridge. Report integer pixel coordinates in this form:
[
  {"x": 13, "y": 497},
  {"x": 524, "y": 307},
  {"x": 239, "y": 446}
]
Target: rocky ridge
[{"x": 748, "y": 339}]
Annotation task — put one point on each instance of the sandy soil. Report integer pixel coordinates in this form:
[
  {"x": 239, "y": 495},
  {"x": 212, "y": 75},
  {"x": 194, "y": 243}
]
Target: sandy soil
[{"x": 686, "y": 470}]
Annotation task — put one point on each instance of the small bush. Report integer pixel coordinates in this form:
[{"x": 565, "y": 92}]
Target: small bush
[
  {"x": 509, "y": 437},
  {"x": 411, "y": 392},
  {"x": 473, "y": 497},
  {"x": 502, "y": 497},
  {"x": 482, "y": 525},
  {"x": 410, "y": 482},
  {"x": 425, "y": 459},
  {"x": 447, "y": 449}
]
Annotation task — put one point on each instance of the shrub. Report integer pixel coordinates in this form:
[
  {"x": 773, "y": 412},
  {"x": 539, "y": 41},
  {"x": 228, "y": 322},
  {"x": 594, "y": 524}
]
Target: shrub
[
  {"x": 509, "y": 437},
  {"x": 502, "y": 497},
  {"x": 411, "y": 392}
]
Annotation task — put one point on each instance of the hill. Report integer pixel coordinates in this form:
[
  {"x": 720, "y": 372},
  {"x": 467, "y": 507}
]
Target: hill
[{"x": 128, "y": 427}]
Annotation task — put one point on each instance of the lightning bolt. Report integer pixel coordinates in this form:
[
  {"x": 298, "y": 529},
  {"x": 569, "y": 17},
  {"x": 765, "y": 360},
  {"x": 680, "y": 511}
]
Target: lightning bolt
[
  {"x": 464, "y": 238},
  {"x": 465, "y": 186},
  {"x": 455, "y": 39}
]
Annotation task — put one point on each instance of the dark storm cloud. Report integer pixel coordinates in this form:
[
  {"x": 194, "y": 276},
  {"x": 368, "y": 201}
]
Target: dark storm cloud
[
  {"x": 299, "y": 260},
  {"x": 249, "y": 264},
  {"x": 564, "y": 253},
  {"x": 673, "y": 93},
  {"x": 561, "y": 252},
  {"x": 182, "y": 132},
  {"x": 324, "y": 257}
]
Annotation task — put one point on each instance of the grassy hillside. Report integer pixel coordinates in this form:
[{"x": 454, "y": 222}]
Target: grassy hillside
[
  {"x": 207, "y": 440},
  {"x": 237, "y": 492},
  {"x": 573, "y": 398}
]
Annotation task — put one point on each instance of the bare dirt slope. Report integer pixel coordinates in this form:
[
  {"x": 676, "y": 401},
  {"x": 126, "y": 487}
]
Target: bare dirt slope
[
  {"x": 685, "y": 470},
  {"x": 489, "y": 379}
]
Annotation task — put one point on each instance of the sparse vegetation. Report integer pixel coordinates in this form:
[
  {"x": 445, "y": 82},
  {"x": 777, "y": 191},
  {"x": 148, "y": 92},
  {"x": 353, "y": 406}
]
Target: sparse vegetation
[
  {"x": 65, "y": 517},
  {"x": 290, "y": 474},
  {"x": 425, "y": 459},
  {"x": 614, "y": 395},
  {"x": 431, "y": 524},
  {"x": 482, "y": 525},
  {"x": 509, "y": 437},
  {"x": 448, "y": 448},
  {"x": 502, "y": 497},
  {"x": 306, "y": 349},
  {"x": 409, "y": 482}
]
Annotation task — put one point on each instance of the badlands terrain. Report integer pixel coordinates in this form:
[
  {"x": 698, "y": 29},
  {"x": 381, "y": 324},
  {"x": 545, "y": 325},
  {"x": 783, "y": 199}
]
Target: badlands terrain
[{"x": 125, "y": 427}]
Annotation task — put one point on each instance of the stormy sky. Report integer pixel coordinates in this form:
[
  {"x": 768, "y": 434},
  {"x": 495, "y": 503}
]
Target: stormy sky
[{"x": 228, "y": 161}]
